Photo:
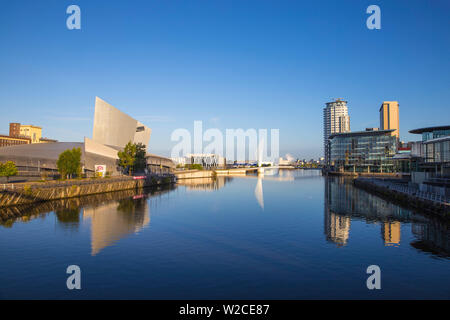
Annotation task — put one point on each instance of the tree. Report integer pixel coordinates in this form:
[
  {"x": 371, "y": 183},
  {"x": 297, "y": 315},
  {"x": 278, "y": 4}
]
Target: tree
[
  {"x": 69, "y": 163},
  {"x": 8, "y": 169},
  {"x": 127, "y": 157}
]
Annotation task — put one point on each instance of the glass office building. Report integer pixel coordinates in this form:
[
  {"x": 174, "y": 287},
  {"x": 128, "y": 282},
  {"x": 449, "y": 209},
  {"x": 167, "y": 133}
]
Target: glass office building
[
  {"x": 363, "y": 151},
  {"x": 436, "y": 148}
]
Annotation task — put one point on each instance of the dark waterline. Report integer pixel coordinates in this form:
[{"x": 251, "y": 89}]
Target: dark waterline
[{"x": 291, "y": 235}]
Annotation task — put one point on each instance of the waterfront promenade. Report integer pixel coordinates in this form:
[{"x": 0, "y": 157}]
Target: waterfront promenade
[{"x": 408, "y": 196}]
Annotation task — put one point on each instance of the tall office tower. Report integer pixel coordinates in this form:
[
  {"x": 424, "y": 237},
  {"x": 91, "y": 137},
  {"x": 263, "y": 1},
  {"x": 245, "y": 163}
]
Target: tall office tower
[
  {"x": 389, "y": 118},
  {"x": 335, "y": 120}
]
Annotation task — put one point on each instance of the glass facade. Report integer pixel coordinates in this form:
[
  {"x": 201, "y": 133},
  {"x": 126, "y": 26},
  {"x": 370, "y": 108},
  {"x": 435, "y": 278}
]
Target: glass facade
[
  {"x": 437, "y": 151},
  {"x": 363, "y": 152},
  {"x": 435, "y": 134}
]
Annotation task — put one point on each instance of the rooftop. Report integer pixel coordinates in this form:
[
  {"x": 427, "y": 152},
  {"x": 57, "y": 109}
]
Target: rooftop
[
  {"x": 361, "y": 133},
  {"x": 429, "y": 129},
  {"x": 440, "y": 139}
]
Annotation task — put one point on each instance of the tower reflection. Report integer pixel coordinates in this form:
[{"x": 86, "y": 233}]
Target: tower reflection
[{"x": 344, "y": 203}]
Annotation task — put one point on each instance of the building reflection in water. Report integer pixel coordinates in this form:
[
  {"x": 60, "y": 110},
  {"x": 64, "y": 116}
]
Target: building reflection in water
[
  {"x": 112, "y": 216},
  {"x": 344, "y": 203},
  {"x": 204, "y": 184},
  {"x": 390, "y": 231},
  {"x": 337, "y": 228},
  {"x": 115, "y": 220}
]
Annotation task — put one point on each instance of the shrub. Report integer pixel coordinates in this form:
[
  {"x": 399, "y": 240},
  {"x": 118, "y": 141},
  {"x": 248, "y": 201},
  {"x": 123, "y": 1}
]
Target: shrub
[
  {"x": 27, "y": 190},
  {"x": 195, "y": 166},
  {"x": 8, "y": 169}
]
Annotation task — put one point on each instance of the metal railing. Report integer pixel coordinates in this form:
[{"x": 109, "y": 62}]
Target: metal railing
[{"x": 430, "y": 196}]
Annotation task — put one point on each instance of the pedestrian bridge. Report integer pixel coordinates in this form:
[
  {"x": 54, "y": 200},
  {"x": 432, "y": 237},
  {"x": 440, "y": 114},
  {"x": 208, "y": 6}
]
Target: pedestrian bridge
[{"x": 243, "y": 171}]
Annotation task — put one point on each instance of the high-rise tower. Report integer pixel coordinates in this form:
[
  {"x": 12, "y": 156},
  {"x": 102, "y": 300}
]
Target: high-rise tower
[
  {"x": 389, "y": 118},
  {"x": 335, "y": 120}
]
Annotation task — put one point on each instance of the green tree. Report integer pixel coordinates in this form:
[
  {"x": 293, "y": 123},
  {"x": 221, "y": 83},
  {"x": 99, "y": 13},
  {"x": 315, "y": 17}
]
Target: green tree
[
  {"x": 8, "y": 169},
  {"x": 69, "y": 163},
  {"x": 127, "y": 157},
  {"x": 141, "y": 151}
]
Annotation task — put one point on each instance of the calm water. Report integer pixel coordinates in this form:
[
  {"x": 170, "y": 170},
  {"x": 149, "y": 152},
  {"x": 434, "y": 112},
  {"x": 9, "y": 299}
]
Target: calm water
[{"x": 291, "y": 235}]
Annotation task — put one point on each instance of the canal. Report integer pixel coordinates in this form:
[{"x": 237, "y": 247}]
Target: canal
[{"x": 292, "y": 234}]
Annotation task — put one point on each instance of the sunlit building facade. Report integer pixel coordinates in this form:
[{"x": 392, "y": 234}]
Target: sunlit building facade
[
  {"x": 335, "y": 120},
  {"x": 435, "y": 148},
  {"x": 389, "y": 117},
  {"x": 363, "y": 151}
]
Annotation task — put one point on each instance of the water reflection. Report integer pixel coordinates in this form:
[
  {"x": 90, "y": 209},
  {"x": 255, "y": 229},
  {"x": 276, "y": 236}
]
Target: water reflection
[
  {"x": 113, "y": 221},
  {"x": 68, "y": 217},
  {"x": 344, "y": 203},
  {"x": 204, "y": 184},
  {"x": 259, "y": 193},
  {"x": 280, "y": 175},
  {"x": 115, "y": 215},
  {"x": 112, "y": 216}
]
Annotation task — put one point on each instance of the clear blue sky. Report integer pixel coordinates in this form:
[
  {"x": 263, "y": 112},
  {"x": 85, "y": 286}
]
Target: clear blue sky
[{"x": 233, "y": 64}]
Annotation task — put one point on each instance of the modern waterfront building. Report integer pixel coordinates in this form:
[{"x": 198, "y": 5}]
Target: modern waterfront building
[
  {"x": 363, "y": 151},
  {"x": 207, "y": 160},
  {"x": 389, "y": 117},
  {"x": 108, "y": 120},
  {"x": 335, "y": 120},
  {"x": 435, "y": 149}
]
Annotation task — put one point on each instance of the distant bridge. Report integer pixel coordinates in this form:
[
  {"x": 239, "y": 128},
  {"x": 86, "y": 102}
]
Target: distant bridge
[{"x": 240, "y": 171}]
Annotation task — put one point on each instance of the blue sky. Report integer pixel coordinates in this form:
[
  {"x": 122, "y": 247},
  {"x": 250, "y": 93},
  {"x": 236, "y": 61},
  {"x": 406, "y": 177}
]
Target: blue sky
[{"x": 232, "y": 64}]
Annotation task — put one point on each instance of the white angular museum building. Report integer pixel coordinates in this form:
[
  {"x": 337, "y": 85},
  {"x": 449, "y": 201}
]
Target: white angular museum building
[{"x": 112, "y": 130}]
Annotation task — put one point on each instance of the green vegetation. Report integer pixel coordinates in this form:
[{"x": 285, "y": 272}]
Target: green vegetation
[
  {"x": 69, "y": 163},
  {"x": 8, "y": 169},
  {"x": 195, "y": 166},
  {"x": 140, "y": 162},
  {"x": 70, "y": 217},
  {"x": 132, "y": 158},
  {"x": 27, "y": 190},
  {"x": 127, "y": 157}
]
